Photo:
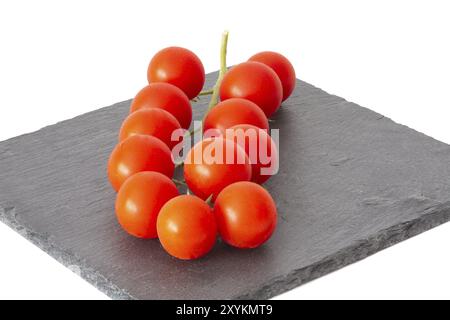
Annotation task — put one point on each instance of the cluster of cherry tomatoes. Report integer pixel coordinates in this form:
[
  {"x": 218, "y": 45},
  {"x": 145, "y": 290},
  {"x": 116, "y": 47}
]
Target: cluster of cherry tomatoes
[{"x": 227, "y": 196}]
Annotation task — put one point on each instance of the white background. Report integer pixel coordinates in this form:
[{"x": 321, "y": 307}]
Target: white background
[{"x": 59, "y": 59}]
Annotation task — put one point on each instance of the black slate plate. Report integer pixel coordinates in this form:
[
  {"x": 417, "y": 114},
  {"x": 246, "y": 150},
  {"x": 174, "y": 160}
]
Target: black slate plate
[{"x": 351, "y": 183}]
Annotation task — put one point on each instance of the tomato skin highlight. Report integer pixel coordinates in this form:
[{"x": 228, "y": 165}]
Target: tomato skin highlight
[
  {"x": 282, "y": 67},
  {"x": 246, "y": 215},
  {"x": 180, "y": 67},
  {"x": 153, "y": 122},
  {"x": 205, "y": 176},
  {"x": 252, "y": 140},
  {"x": 253, "y": 81},
  {"x": 232, "y": 112},
  {"x": 139, "y": 153},
  {"x": 139, "y": 201},
  {"x": 186, "y": 227},
  {"x": 167, "y": 97}
]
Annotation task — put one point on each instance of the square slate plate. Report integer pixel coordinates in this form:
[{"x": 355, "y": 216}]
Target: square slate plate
[{"x": 351, "y": 183}]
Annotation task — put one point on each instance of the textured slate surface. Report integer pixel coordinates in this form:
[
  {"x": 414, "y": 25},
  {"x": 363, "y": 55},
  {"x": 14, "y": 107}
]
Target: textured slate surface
[{"x": 351, "y": 183}]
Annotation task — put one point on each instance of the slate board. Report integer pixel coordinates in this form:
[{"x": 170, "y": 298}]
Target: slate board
[{"x": 351, "y": 183}]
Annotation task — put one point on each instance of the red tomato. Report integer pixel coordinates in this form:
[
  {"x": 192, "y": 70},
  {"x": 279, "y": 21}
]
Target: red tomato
[
  {"x": 260, "y": 148},
  {"x": 282, "y": 67},
  {"x": 153, "y": 122},
  {"x": 165, "y": 96},
  {"x": 140, "y": 200},
  {"x": 213, "y": 164},
  {"x": 180, "y": 67},
  {"x": 256, "y": 82},
  {"x": 232, "y": 112},
  {"x": 139, "y": 153},
  {"x": 186, "y": 227},
  {"x": 246, "y": 215}
]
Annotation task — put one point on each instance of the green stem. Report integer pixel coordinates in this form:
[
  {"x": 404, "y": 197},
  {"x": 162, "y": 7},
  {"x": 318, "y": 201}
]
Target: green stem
[
  {"x": 215, "y": 91},
  {"x": 223, "y": 70},
  {"x": 194, "y": 131},
  {"x": 206, "y": 92},
  {"x": 187, "y": 135},
  {"x": 191, "y": 132},
  {"x": 179, "y": 165},
  {"x": 209, "y": 201},
  {"x": 178, "y": 181}
]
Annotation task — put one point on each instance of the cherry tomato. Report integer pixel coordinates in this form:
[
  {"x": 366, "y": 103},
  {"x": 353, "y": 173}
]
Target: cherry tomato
[
  {"x": 260, "y": 148},
  {"x": 214, "y": 163},
  {"x": 165, "y": 96},
  {"x": 139, "y": 153},
  {"x": 140, "y": 200},
  {"x": 180, "y": 67},
  {"x": 246, "y": 215},
  {"x": 153, "y": 122},
  {"x": 256, "y": 82},
  {"x": 186, "y": 227},
  {"x": 232, "y": 112},
  {"x": 282, "y": 67}
]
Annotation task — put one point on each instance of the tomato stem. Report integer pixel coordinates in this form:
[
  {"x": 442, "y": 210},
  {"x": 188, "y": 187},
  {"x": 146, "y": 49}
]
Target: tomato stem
[
  {"x": 222, "y": 71},
  {"x": 187, "y": 135},
  {"x": 215, "y": 91},
  {"x": 179, "y": 164},
  {"x": 206, "y": 92},
  {"x": 176, "y": 181},
  {"x": 191, "y": 132},
  {"x": 209, "y": 200},
  {"x": 194, "y": 131}
]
